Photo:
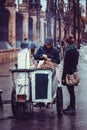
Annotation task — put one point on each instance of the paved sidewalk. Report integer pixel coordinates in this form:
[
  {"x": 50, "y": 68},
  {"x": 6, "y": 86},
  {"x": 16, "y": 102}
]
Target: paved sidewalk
[
  {"x": 4, "y": 69},
  {"x": 6, "y": 79}
]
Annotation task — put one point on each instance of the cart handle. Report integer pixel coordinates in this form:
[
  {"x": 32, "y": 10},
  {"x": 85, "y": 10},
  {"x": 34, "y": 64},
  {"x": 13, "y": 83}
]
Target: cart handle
[{"x": 27, "y": 70}]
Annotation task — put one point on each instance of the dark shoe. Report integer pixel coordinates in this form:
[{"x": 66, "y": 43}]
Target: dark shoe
[
  {"x": 70, "y": 112},
  {"x": 67, "y": 109},
  {"x": 39, "y": 104},
  {"x": 48, "y": 105}
]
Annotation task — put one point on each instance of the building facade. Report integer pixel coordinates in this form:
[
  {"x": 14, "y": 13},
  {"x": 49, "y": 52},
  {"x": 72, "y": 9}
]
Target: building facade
[{"x": 25, "y": 21}]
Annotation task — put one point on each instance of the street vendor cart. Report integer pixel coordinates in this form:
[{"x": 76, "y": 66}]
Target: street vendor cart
[{"x": 33, "y": 86}]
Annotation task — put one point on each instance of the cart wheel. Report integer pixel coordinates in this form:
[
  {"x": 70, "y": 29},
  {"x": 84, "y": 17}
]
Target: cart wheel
[
  {"x": 29, "y": 108},
  {"x": 59, "y": 101},
  {"x": 18, "y": 109}
]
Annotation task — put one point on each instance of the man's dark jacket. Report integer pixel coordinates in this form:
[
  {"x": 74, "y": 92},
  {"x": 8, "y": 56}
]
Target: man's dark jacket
[{"x": 51, "y": 53}]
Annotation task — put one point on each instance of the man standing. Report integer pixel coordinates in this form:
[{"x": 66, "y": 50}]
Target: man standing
[{"x": 49, "y": 53}]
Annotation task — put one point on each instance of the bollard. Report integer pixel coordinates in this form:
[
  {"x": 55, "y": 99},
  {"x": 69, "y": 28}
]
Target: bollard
[{"x": 1, "y": 102}]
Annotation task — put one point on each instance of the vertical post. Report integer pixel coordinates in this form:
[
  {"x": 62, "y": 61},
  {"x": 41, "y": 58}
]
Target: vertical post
[
  {"x": 48, "y": 16},
  {"x": 1, "y": 102},
  {"x": 25, "y": 24},
  {"x": 59, "y": 22},
  {"x": 12, "y": 26},
  {"x": 78, "y": 19},
  {"x": 86, "y": 22},
  {"x": 55, "y": 22},
  {"x": 86, "y": 8},
  {"x": 74, "y": 20},
  {"x": 38, "y": 22},
  {"x": 36, "y": 6}
]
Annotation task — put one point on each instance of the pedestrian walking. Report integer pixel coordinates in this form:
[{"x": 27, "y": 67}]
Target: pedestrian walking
[{"x": 69, "y": 66}]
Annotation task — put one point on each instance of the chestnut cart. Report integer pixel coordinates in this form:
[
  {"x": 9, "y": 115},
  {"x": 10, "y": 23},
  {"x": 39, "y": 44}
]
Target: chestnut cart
[{"x": 34, "y": 87}]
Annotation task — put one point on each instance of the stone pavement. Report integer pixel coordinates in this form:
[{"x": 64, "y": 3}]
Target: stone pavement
[{"x": 41, "y": 118}]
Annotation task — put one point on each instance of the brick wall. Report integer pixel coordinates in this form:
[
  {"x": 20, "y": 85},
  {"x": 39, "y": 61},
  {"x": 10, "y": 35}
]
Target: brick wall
[{"x": 8, "y": 55}]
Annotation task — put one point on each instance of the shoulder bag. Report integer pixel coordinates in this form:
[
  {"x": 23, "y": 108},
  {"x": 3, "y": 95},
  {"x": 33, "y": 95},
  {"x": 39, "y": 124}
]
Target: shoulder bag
[{"x": 72, "y": 79}]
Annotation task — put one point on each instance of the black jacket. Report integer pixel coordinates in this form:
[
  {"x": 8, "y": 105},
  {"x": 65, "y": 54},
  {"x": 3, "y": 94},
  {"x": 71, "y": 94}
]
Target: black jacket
[
  {"x": 70, "y": 62},
  {"x": 51, "y": 53}
]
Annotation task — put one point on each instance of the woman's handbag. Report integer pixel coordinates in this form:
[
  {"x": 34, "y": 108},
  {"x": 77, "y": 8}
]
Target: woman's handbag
[{"x": 72, "y": 79}]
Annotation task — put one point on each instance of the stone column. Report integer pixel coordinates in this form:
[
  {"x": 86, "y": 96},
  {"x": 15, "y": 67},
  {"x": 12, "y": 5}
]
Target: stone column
[
  {"x": 10, "y": 5},
  {"x": 12, "y": 27},
  {"x": 34, "y": 29},
  {"x": 42, "y": 30},
  {"x": 52, "y": 28},
  {"x": 23, "y": 9},
  {"x": 33, "y": 15},
  {"x": 42, "y": 26},
  {"x": 25, "y": 25}
]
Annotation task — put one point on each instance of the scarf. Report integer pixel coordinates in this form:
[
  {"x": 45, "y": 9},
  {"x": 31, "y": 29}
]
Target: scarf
[{"x": 70, "y": 47}]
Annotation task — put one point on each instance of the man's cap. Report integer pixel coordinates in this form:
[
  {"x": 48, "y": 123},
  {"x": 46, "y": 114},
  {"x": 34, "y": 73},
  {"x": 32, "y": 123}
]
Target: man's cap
[{"x": 49, "y": 40}]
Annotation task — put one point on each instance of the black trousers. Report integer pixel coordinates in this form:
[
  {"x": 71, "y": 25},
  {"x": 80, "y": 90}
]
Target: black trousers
[{"x": 72, "y": 96}]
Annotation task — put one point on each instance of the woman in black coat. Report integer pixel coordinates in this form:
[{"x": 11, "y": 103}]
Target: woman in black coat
[{"x": 70, "y": 65}]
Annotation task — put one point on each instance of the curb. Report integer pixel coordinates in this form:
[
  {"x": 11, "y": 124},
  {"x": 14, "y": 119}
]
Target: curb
[{"x": 5, "y": 75}]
